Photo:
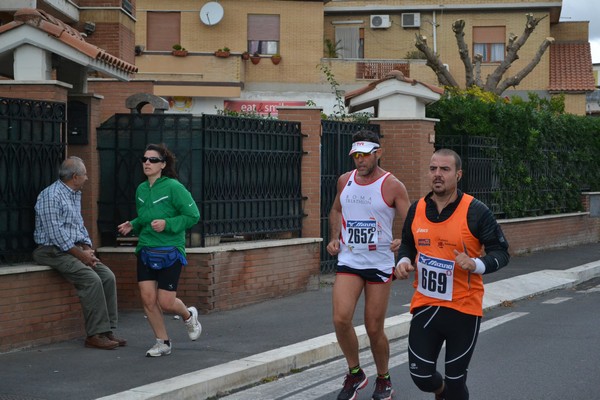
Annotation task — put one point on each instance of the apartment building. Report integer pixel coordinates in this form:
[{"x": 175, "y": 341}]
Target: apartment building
[
  {"x": 369, "y": 38},
  {"x": 366, "y": 39},
  {"x": 204, "y": 78},
  {"x": 373, "y": 36}
]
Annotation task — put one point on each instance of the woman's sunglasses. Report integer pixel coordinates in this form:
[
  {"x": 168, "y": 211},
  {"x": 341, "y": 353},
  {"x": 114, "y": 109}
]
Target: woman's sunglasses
[{"x": 153, "y": 160}]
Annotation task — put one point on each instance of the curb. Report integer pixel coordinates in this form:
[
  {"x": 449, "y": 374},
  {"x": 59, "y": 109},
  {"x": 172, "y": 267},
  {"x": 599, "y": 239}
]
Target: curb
[{"x": 236, "y": 374}]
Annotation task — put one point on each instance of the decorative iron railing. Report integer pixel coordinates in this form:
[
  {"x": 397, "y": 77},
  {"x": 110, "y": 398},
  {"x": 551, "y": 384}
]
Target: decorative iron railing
[
  {"x": 244, "y": 173},
  {"x": 31, "y": 149}
]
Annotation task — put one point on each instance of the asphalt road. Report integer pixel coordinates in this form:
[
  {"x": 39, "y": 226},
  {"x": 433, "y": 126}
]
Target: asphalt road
[{"x": 545, "y": 347}]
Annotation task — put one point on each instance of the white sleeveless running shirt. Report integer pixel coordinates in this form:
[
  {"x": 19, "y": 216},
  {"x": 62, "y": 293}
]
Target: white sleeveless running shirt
[{"x": 366, "y": 226}]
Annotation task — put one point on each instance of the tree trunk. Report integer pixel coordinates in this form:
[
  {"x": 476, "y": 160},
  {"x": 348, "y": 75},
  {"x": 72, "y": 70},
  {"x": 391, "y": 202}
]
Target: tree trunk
[
  {"x": 514, "y": 45},
  {"x": 473, "y": 68},
  {"x": 517, "y": 78},
  {"x": 463, "y": 50},
  {"x": 478, "y": 59},
  {"x": 444, "y": 76}
]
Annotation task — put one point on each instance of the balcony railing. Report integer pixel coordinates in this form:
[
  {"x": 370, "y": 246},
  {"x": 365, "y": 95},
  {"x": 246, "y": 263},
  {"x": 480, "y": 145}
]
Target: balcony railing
[
  {"x": 196, "y": 67},
  {"x": 380, "y": 69}
]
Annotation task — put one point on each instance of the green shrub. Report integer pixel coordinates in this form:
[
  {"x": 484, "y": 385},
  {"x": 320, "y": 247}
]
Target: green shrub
[{"x": 546, "y": 158}]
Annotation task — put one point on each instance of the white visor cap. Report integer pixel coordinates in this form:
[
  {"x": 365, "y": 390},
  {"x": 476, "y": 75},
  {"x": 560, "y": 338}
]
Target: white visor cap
[{"x": 363, "y": 147}]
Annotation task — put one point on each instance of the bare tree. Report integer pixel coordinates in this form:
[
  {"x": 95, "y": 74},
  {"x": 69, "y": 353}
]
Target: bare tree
[{"x": 473, "y": 68}]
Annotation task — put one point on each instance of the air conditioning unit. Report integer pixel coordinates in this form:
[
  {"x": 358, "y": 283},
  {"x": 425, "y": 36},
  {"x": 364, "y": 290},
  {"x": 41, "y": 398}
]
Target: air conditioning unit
[
  {"x": 380, "y": 21},
  {"x": 411, "y": 20}
]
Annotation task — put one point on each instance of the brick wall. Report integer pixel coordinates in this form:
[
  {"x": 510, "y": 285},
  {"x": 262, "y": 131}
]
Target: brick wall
[
  {"x": 37, "y": 307},
  {"x": 51, "y": 91},
  {"x": 571, "y": 31},
  {"x": 575, "y": 104},
  {"x": 228, "y": 276},
  {"x": 527, "y": 235},
  {"x": 115, "y": 93},
  {"x": 114, "y": 32}
]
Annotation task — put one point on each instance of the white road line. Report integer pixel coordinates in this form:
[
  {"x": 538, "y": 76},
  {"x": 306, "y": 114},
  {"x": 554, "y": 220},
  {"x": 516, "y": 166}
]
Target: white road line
[
  {"x": 590, "y": 290},
  {"x": 557, "y": 300},
  {"x": 500, "y": 320}
]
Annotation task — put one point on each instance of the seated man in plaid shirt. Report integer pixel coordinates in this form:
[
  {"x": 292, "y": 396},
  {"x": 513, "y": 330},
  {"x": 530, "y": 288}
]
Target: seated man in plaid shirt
[{"x": 64, "y": 244}]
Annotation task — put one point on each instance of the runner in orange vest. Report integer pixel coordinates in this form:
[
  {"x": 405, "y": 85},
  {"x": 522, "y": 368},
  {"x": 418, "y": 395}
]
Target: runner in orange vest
[{"x": 451, "y": 239}]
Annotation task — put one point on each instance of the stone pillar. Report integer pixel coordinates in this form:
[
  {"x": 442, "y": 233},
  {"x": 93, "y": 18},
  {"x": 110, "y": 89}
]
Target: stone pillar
[
  {"x": 310, "y": 119},
  {"x": 89, "y": 154},
  {"x": 407, "y": 148}
]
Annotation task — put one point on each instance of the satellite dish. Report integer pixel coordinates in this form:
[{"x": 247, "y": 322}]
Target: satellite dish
[{"x": 211, "y": 13}]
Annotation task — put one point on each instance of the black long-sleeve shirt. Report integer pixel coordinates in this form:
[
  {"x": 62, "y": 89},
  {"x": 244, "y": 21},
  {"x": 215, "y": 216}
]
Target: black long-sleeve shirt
[{"x": 481, "y": 223}]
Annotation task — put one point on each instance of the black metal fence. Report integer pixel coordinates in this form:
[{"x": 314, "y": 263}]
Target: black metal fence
[
  {"x": 484, "y": 177},
  {"x": 480, "y": 163},
  {"x": 31, "y": 150},
  {"x": 244, "y": 173},
  {"x": 335, "y": 144}
]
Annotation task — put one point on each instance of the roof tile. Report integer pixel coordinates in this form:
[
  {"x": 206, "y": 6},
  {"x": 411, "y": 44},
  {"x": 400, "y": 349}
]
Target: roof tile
[
  {"x": 66, "y": 34},
  {"x": 571, "y": 67},
  {"x": 398, "y": 75}
]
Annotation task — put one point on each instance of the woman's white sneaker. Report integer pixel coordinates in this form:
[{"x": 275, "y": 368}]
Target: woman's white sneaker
[
  {"x": 160, "y": 348},
  {"x": 193, "y": 325}
]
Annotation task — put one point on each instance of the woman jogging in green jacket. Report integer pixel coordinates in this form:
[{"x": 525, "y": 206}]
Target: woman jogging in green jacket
[{"x": 165, "y": 211}]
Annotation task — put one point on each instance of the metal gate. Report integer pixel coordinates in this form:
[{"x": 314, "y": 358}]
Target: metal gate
[
  {"x": 243, "y": 173},
  {"x": 335, "y": 144},
  {"x": 32, "y": 146}
]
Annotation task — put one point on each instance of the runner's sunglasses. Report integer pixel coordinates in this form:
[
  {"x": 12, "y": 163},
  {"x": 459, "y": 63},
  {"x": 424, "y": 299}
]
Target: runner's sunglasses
[
  {"x": 153, "y": 160},
  {"x": 359, "y": 154}
]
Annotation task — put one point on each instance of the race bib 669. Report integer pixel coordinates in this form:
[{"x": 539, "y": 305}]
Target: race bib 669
[{"x": 436, "y": 277}]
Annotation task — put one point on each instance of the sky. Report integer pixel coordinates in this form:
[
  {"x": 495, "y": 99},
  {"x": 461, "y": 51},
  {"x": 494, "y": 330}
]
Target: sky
[{"x": 585, "y": 10}]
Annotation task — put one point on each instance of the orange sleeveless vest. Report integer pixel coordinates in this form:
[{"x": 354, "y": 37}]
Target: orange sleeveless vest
[{"x": 435, "y": 243}]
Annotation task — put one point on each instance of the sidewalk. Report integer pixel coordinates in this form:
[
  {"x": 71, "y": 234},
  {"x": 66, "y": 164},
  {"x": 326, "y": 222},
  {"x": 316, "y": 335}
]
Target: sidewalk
[{"x": 240, "y": 347}]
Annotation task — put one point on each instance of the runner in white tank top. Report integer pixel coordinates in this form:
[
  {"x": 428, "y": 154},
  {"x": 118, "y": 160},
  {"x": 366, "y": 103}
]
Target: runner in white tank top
[
  {"x": 366, "y": 226},
  {"x": 361, "y": 219}
]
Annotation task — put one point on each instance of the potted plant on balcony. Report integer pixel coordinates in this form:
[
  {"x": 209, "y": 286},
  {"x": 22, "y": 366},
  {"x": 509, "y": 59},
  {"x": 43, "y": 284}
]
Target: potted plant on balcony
[
  {"x": 255, "y": 58},
  {"x": 223, "y": 53},
  {"x": 179, "y": 51},
  {"x": 245, "y": 55},
  {"x": 276, "y": 58}
]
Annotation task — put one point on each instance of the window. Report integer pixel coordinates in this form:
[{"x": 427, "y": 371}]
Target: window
[
  {"x": 162, "y": 30},
  {"x": 127, "y": 6},
  {"x": 351, "y": 41},
  {"x": 489, "y": 41},
  {"x": 263, "y": 34}
]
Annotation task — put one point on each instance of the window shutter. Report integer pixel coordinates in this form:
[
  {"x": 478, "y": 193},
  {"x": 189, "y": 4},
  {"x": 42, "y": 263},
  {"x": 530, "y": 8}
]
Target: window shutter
[
  {"x": 263, "y": 27},
  {"x": 162, "y": 30},
  {"x": 489, "y": 34}
]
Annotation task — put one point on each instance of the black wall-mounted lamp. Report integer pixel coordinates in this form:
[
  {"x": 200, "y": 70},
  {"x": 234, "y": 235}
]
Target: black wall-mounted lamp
[{"x": 89, "y": 28}]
